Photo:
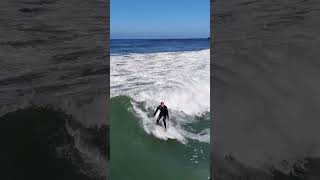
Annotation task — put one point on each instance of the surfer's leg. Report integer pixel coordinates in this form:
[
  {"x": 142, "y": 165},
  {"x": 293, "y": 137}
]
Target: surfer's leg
[
  {"x": 164, "y": 122},
  {"x": 158, "y": 118}
]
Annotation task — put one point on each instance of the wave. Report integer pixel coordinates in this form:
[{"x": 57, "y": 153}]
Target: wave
[
  {"x": 136, "y": 138},
  {"x": 181, "y": 126},
  {"x": 138, "y": 83},
  {"x": 180, "y": 79}
]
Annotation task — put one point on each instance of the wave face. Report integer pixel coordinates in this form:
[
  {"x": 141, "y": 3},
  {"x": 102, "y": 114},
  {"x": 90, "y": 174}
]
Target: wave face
[
  {"x": 139, "y": 82},
  {"x": 136, "y": 154}
]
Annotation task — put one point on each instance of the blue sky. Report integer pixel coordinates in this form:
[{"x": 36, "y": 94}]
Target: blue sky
[{"x": 147, "y": 19}]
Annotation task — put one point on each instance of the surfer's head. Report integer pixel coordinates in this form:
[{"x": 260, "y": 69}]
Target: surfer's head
[{"x": 162, "y": 104}]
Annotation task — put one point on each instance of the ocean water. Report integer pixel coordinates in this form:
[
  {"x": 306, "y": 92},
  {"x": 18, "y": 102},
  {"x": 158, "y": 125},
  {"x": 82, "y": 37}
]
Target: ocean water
[{"x": 143, "y": 73}]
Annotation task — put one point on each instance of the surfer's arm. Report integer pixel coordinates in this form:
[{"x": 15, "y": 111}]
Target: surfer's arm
[
  {"x": 155, "y": 111},
  {"x": 168, "y": 114}
]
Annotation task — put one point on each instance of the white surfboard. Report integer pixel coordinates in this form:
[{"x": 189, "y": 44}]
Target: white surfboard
[{"x": 170, "y": 133}]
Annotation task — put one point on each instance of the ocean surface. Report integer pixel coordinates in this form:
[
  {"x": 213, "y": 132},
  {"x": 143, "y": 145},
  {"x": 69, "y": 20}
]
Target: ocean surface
[{"x": 143, "y": 73}]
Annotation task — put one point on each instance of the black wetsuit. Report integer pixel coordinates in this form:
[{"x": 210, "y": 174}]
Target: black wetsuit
[{"x": 163, "y": 112}]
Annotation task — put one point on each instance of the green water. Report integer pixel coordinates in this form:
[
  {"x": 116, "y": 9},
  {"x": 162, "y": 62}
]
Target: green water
[{"x": 136, "y": 155}]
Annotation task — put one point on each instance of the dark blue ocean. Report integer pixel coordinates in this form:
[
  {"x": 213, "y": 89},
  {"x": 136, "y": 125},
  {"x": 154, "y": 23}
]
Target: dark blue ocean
[{"x": 123, "y": 46}]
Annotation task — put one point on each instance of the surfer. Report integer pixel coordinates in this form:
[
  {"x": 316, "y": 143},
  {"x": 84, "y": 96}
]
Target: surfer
[{"x": 163, "y": 112}]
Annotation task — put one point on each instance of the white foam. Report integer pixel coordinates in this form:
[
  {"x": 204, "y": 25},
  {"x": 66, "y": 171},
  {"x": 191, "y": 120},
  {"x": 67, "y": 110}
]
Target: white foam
[
  {"x": 203, "y": 136},
  {"x": 180, "y": 79}
]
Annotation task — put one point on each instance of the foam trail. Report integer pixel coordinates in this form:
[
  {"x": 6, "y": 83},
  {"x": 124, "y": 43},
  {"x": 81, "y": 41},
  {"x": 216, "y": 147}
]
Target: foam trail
[
  {"x": 150, "y": 127},
  {"x": 203, "y": 136},
  {"x": 174, "y": 129}
]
